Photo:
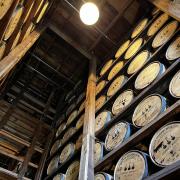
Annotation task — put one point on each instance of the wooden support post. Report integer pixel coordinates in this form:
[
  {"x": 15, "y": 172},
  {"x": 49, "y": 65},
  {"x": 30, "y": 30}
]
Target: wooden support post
[
  {"x": 29, "y": 153},
  {"x": 87, "y": 152},
  {"x": 44, "y": 156}
]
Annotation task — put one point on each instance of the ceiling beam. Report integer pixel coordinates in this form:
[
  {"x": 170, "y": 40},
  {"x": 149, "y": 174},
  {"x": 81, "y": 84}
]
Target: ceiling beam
[
  {"x": 70, "y": 41},
  {"x": 57, "y": 72}
]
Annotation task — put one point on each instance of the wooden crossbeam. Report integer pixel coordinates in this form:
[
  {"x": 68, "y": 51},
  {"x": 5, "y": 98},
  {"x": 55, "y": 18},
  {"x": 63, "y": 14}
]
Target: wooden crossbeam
[
  {"x": 19, "y": 140},
  {"x": 18, "y": 158}
]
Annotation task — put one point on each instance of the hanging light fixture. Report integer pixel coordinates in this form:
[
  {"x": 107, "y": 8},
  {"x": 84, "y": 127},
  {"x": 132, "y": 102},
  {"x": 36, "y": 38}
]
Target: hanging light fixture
[{"x": 89, "y": 13}]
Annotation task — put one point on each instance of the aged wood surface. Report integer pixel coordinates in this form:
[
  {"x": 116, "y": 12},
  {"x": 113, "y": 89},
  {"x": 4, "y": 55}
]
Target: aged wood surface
[
  {"x": 8, "y": 62},
  {"x": 87, "y": 152},
  {"x": 168, "y": 7}
]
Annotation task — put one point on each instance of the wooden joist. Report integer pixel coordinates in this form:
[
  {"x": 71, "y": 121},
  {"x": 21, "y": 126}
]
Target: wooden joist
[{"x": 19, "y": 140}]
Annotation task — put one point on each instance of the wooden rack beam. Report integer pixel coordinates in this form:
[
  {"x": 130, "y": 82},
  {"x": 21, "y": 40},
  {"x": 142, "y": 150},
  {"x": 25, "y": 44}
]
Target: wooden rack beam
[
  {"x": 19, "y": 140},
  {"x": 87, "y": 152},
  {"x": 168, "y": 7},
  {"x": 11, "y": 60},
  {"x": 10, "y": 174},
  {"x": 18, "y": 158}
]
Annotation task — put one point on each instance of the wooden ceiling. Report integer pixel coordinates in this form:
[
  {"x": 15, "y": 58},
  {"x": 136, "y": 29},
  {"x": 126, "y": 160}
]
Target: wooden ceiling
[{"x": 103, "y": 38}]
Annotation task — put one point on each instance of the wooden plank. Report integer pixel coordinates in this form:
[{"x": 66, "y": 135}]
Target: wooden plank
[
  {"x": 19, "y": 140},
  {"x": 6, "y": 19},
  {"x": 170, "y": 172},
  {"x": 8, "y": 62},
  {"x": 29, "y": 153},
  {"x": 18, "y": 158},
  {"x": 44, "y": 156},
  {"x": 87, "y": 152},
  {"x": 168, "y": 7},
  {"x": 10, "y": 173}
]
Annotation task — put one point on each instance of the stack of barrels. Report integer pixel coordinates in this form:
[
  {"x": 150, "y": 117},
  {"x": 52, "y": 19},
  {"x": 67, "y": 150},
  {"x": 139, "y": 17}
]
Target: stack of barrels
[
  {"x": 134, "y": 88},
  {"x": 21, "y": 17},
  {"x": 68, "y": 140}
]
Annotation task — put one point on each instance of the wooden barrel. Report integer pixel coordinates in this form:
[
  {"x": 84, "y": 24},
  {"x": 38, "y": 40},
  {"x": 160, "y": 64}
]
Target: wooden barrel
[
  {"x": 117, "y": 134},
  {"x": 173, "y": 51},
  {"x": 4, "y": 7},
  {"x": 132, "y": 165},
  {"x": 134, "y": 47},
  {"x": 13, "y": 22},
  {"x": 155, "y": 11},
  {"x": 164, "y": 146},
  {"x": 163, "y": 36},
  {"x": 157, "y": 24},
  {"x": 116, "y": 85},
  {"x": 53, "y": 165},
  {"x": 60, "y": 129},
  {"x": 100, "y": 86},
  {"x": 29, "y": 30},
  {"x": 80, "y": 122},
  {"x": 138, "y": 62},
  {"x": 103, "y": 176},
  {"x": 149, "y": 74},
  {"x": 69, "y": 95},
  {"x": 100, "y": 102},
  {"x": 79, "y": 142},
  {"x": 115, "y": 70},
  {"x": 28, "y": 12},
  {"x": 67, "y": 153},
  {"x": 59, "y": 177},
  {"x": 81, "y": 96},
  {"x": 39, "y": 7},
  {"x": 82, "y": 106},
  {"x": 102, "y": 119},
  {"x": 122, "y": 101},
  {"x": 68, "y": 134},
  {"x": 42, "y": 12},
  {"x": 55, "y": 147},
  {"x": 2, "y": 49},
  {"x": 72, "y": 172},
  {"x": 71, "y": 99},
  {"x": 174, "y": 87},
  {"x": 106, "y": 67},
  {"x": 98, "y": 152},
  {"x": 122, "y": 49},
  {"x": 139, "y": 28},
  {"x": 16, "y": 40},
  {"x": 70, "y": 108},
  {"x": 148, "y": 109},
  {"x": 72, "y": 116}
]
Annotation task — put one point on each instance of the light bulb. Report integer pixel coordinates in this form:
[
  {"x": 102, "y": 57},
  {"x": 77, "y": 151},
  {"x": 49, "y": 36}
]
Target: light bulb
[{"x": 89, "y": 13}]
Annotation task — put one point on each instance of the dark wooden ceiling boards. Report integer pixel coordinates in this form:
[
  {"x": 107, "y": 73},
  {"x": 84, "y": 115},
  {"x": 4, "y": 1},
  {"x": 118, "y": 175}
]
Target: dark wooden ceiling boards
[{"x": 115, "y": 18}]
